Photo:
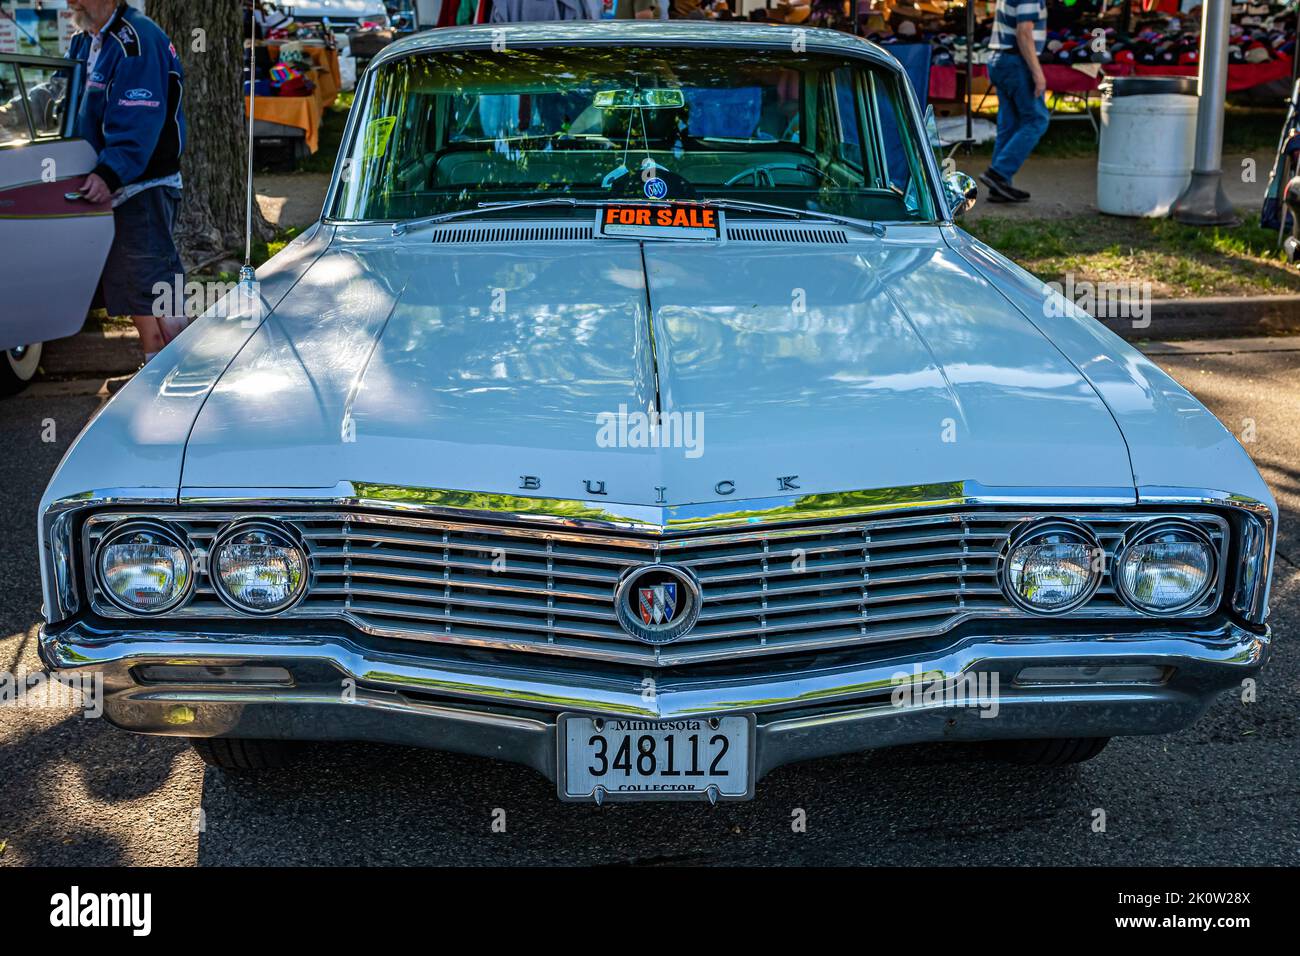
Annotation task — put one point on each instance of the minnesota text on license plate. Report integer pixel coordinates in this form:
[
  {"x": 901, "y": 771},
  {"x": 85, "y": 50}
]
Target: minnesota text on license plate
[{"x": 656, "y": 759}]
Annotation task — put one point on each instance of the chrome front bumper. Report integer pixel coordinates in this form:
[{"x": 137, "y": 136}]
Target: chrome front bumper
[{"x": 482, "y": 703}]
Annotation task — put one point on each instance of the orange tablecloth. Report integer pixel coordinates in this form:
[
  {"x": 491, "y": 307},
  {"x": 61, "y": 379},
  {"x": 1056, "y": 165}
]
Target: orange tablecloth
[
  {"x": 304, "y": 112},
  {"x": 327, "y": 84}
]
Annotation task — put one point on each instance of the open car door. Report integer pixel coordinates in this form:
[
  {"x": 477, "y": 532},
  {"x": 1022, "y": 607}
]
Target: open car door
[{"x": 53, "y": 247}]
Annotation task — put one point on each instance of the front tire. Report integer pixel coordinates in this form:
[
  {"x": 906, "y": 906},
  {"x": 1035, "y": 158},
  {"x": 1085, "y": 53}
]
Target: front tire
[
  {"x": 1054, "y": 751},
  {"x": 18, "y": 366},
  {"x": 241, "y": 755}
]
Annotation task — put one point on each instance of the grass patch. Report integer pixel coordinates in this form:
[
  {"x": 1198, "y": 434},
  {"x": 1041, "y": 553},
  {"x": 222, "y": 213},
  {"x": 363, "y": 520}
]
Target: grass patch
[
  {"x": 1178, "y": 261},
  {"x": 100, "y": 319}
]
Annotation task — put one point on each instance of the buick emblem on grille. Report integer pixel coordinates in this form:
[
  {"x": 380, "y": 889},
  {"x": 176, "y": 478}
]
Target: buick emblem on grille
[{"x": 657, "y": 603}]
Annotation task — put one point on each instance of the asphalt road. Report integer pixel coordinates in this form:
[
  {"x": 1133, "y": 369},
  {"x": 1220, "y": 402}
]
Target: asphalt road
[{"x": 1226, "y": 791}]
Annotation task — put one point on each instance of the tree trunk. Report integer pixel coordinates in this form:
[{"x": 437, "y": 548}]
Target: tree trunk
[{"x": 208, "y": 35}]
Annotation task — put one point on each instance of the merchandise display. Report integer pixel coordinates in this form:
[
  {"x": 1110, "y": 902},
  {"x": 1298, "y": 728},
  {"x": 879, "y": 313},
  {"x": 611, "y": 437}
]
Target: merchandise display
[{"x": 1087, "y": 40}]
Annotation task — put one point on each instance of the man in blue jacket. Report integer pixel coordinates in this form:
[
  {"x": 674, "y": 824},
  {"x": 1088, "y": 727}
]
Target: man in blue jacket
[{"x": 131, "y": 114}]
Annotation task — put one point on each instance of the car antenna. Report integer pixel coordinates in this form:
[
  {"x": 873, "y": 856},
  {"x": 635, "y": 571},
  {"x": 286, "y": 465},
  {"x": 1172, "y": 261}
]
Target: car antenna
[{"x": 247, "y": 274}]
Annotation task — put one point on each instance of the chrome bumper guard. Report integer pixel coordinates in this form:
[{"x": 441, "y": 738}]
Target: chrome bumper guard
[{"x": 479, "y": 703}]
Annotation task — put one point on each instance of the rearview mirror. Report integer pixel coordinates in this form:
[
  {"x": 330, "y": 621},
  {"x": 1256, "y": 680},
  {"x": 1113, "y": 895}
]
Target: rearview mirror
[
  {"x": 961, "y": 192},
  {"x": 655, "y": 99}
]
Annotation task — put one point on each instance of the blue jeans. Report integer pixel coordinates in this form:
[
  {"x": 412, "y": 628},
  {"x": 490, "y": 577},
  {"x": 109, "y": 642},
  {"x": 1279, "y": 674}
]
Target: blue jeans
[{"x": 1022, "y": 117}]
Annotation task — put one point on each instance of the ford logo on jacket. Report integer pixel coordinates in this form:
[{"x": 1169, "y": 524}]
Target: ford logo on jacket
[{"x": 131, "y": 111}]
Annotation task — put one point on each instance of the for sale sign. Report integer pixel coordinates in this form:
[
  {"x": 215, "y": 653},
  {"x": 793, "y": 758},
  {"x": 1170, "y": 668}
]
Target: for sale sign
[
  {"x": 8, "y": 35},
  {"x": 66, "y": 29}
]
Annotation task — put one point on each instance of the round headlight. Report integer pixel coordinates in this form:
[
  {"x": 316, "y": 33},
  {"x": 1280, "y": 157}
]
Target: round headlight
[
  {"x": 1052, "y": 568},
  {"x": 1165, "y": 569},
  {"x": 259, "y": 569},
  {"x": 144, "y": 569}
]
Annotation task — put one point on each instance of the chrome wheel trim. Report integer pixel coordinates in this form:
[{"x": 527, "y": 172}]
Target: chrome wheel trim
[{"x": 24, "y": 361}]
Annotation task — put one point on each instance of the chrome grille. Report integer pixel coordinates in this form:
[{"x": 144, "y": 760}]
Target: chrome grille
[{"x": 765, "y": 590}]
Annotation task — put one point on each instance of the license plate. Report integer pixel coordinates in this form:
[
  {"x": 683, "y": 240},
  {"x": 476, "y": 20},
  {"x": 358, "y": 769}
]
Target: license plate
[{"x": 628, "y": 759}]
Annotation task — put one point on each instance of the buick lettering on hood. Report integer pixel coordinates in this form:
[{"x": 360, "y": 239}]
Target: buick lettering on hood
[{"x": 637, "y": 413}]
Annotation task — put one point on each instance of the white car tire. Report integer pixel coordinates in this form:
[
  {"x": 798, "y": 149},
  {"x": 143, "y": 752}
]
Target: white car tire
[{"x": 18, "y": 366}]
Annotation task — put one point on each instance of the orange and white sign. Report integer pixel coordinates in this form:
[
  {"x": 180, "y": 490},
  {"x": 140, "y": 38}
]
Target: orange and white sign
[
  {"x": 66, "y": 29},
  {"x": 659, "y": 221},
  {"x": 8, "y": 35}
]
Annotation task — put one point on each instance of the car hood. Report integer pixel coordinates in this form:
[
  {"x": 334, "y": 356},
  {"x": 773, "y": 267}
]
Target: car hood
[{"x": 531, "y": 368}]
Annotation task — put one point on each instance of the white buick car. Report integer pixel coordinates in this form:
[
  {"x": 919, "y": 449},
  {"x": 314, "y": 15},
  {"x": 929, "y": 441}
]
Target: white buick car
[{"x": 637, "y": 413}]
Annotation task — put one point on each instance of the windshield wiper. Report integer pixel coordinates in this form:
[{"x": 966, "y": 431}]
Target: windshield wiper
[
  {"x": 736, "y": 205},
  {"x": 744, "y": 205},
  {"x": 401, "y": 228}
]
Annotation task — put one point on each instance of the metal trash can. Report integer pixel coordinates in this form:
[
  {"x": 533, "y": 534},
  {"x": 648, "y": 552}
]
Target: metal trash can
[{"x": 1148, "y": 144}]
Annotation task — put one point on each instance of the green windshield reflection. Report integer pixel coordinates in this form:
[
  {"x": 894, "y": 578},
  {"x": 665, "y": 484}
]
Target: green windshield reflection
[{"x": 442, "y": 132}]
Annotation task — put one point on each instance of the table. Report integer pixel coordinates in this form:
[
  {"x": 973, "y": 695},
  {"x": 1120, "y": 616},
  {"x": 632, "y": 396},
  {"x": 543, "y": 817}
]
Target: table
[
  {"x": 1241, "y": 76},
  {"x": 303, "y": 112},
  {"x": 1066, "y": 79}
]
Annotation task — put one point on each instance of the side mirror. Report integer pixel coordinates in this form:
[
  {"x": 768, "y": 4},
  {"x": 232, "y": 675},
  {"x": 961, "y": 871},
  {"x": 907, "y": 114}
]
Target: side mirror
[{"x": 961, "y": 191}]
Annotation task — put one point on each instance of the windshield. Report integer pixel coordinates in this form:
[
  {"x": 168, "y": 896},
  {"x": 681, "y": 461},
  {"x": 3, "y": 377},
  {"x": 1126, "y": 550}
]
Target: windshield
[{"x": 442, "y": 132}]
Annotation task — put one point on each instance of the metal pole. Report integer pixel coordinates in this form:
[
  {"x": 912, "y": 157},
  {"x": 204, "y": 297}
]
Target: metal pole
[
  {"x": 1204, "y": 203},
  {"x": 970, "y": 65},
  {"x": 247, "y": 273}
]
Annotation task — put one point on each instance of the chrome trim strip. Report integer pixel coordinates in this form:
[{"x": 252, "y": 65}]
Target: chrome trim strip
[
  {"x": 656, "y": 519},
  {"x": 1210, "y": 658}
]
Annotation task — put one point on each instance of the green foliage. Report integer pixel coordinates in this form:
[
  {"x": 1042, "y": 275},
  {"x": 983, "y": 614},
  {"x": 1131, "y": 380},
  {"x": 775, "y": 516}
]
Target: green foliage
[{"x": 1177, "y": 260}]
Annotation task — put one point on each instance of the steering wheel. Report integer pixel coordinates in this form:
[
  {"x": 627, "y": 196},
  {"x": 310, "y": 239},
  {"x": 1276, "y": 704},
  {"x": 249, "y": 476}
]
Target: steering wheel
[{"x": 762, "y": 173}]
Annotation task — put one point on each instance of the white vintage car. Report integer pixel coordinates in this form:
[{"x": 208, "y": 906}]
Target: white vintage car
[
  {"x": 42, "y": 165},
  {"x": 638, "y": 414}
]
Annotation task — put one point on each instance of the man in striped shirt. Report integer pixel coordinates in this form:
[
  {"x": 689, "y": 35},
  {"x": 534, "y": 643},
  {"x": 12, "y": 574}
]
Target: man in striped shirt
[{"x": 1019, "y": 32}]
